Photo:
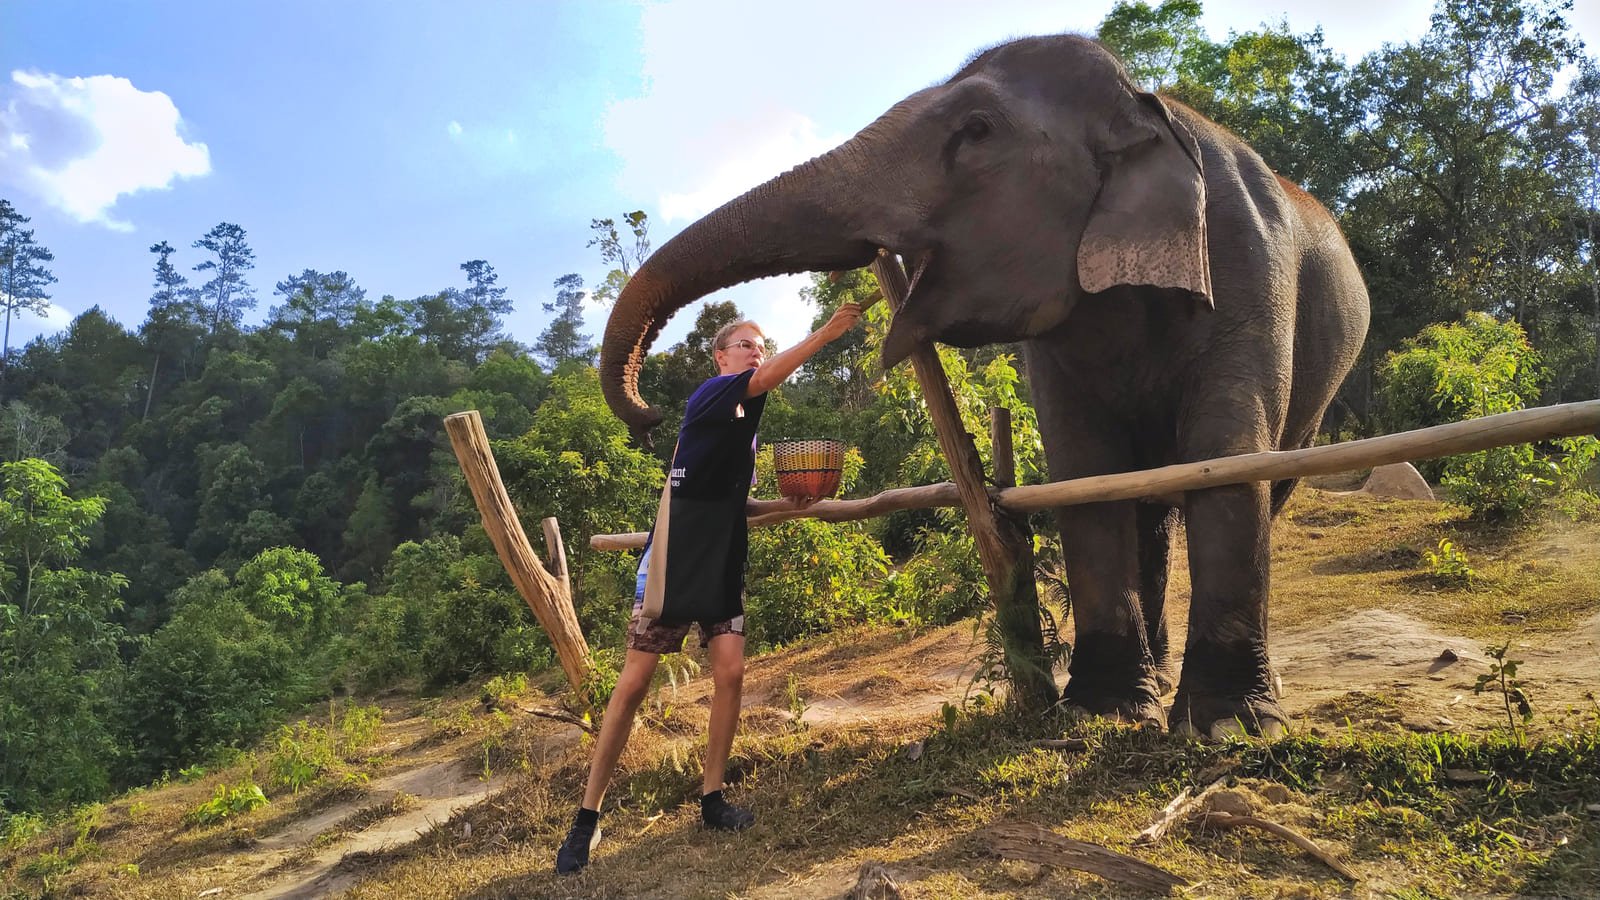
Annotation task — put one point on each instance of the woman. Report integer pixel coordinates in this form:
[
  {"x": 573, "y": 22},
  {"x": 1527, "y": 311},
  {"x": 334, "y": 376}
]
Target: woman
[{"x": 700, "y": 580}]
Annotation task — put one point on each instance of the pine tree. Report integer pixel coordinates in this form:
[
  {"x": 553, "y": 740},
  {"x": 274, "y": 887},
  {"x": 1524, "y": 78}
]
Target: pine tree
[
  {"x": 562, "y": 341},
  {"x": 227, "y": 295},
  {"x": 23, "y": 276}
]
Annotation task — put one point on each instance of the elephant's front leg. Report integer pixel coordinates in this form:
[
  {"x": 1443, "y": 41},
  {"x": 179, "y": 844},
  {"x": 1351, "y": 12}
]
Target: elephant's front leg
[
  {"x": 1112, "y": 672},
  {"x": 1226, "y": 681}
]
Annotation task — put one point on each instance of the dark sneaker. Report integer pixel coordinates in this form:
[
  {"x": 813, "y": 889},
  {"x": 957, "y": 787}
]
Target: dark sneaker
[
  {"x": 724, "y": 816},
  {"x": 574, "y": 852}
]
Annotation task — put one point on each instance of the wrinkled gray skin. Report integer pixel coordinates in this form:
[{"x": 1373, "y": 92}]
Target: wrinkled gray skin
[{"x": 1176, "y": 299}]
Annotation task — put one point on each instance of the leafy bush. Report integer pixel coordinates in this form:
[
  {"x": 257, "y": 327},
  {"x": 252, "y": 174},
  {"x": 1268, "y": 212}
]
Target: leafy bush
[
  {"x": 807, "y": 576},
  {"x": 304, "y": 753},
  {"x": 1477, "y": 367},
  {"x": 214, "y": 676},
  {"x": 229, "y": 800}
]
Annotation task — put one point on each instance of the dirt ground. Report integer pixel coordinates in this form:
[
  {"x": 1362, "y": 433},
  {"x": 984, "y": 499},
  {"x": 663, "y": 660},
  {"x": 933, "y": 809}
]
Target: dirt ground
[{"x": 1370, "y": 662}]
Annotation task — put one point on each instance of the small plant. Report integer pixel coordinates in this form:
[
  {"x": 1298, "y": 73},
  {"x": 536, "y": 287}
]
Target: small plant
[
  {"x": 192, "y": 773},
  {"x": 19, "y": 828},
  {"x": 1449, "y": 565},
  {"x": 127, "y": 870},
  {"x": 229, "y": 800},
  {"x": 1502, "y": 676},
  {"x": 501, "y": 688},
  {"x": 797, "y": 701},
  {"x": 137, "y": 810}
]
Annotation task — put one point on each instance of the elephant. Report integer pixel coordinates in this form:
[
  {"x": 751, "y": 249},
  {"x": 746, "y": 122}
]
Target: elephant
[{"x": 1174, "y": 298}]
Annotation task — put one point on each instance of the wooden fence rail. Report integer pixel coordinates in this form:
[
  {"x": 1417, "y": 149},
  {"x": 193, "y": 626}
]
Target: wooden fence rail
[{"x": 1519, "y": 427}]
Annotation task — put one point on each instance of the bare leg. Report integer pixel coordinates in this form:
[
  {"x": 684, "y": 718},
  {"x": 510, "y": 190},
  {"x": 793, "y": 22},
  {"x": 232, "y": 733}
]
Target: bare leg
[
  {"x": 632, "y": 686},
  {"x": 727, "y": 673}
]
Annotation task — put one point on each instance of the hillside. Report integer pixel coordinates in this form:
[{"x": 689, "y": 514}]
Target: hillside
[{"x": 857, "y": 748}]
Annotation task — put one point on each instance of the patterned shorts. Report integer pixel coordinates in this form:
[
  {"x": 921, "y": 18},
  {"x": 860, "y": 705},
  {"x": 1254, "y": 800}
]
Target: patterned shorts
[{"x": 652, "y": 636}]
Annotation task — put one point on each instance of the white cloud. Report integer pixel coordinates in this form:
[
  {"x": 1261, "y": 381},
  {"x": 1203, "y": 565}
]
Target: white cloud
[
  {"x": 454, "y": 128},
  {"x": 79, "y": 144},
  {"x": 27, "y": 326}
]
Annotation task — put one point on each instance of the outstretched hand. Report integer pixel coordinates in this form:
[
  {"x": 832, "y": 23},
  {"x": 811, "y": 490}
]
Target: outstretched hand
[{"x": 844, "y": 318}]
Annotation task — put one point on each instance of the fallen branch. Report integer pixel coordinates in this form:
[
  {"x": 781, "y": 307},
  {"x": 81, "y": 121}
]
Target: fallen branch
[
  {"x": 560, "y": 715},
  {"x": 1175, "y": 812},
  {"x": 1032, "y": 843},
  {"x": 1074, "y": 745},
  {"x": 1229, "y": 820}
]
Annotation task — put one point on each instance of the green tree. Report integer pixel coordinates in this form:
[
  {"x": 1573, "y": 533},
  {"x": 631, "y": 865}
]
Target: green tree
[
  {"x": 227, "y": 295},
  {"x": 1154, "y": 42},
  {"x": 615, "y": 250},
  {"x": 562, "y": 340},
  {"x": 1479, "y": 367},
  {"x": 1460, "y": 209},
  {"x": 60, "y": 666},
  {"x": 23, "y": 276},
  {"x": 317, "y": 310},
  {"x": 172, "y": 326}
]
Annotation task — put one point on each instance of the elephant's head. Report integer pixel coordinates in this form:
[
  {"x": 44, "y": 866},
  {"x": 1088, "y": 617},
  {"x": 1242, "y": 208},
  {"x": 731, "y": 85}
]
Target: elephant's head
[{"x": 1037, "y": 174}]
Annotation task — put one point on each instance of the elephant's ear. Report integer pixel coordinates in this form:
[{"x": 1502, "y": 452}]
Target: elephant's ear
[{"x": 1148, "y": 224}]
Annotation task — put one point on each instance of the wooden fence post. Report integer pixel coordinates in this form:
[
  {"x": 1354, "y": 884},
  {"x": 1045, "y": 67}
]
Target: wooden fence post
[
  {"x": 1005, "y": 542},
  {"x": 549, "y": 596}
]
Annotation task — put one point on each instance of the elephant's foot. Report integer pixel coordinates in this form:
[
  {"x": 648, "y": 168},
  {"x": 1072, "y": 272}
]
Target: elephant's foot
[
  {"x": 1227, "y": 689},
  {"x": 1217, "y": 716},
  {"x": 1111, "y": 676},
  {"x": 1138, "y": 711}
]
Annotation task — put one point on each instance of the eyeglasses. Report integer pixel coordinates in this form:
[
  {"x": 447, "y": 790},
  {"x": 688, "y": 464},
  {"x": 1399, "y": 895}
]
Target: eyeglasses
[{"x": 743, "y": 345}]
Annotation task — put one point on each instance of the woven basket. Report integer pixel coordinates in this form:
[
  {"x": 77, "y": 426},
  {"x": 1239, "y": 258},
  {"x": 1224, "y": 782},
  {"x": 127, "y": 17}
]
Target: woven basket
[{"x": 808, "y": 468}]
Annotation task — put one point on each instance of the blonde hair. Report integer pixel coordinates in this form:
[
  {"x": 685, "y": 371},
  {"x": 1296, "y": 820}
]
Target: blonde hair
[{"x": 720, "y": 342}]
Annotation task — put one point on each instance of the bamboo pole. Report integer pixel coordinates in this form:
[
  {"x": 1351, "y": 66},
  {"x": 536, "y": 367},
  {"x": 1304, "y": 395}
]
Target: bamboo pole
[
  {"x": 544, "y": 593},
  {"x": 1519, "y": 427}
]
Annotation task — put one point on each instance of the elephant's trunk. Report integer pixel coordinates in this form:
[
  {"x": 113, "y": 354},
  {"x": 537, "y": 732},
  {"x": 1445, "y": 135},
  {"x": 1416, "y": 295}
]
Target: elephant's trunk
[{"x": 806, "y": 220}]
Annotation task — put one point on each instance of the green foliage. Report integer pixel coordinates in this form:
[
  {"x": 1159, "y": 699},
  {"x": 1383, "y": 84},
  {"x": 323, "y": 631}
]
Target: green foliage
[
  {"x": 237, "y": 654},
  {"x": 1449, "y": 564},
  {"x": 229, "y": 800},
  {"x": 1502, "y": 677},
  {"x": 60, "y": 663},
  {"x": 807, "y": 576},
  {"x": 305, "y": 754},
  {"x": 1478, "y": 367},
  {"x": 576, "y": 464}
]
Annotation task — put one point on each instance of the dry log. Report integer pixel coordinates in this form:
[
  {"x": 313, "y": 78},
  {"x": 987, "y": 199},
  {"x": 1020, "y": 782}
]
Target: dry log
[
  {"x": 1175, "y": 812},
  {"x": 1228, "y": 820},
  {"x": 1519, "y": 427},
  {"x": 544, "y": 594},
  {"x": 1032, "y": 843}
]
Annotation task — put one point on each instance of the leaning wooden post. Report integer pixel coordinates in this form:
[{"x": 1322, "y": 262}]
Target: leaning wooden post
[
  {"x": 1005, "y": 543},
  {"x": 545, "y": 594}
]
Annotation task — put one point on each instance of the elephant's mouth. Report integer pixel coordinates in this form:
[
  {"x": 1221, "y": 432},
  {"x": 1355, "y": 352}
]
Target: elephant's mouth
[{"x": 905, "y": 332}]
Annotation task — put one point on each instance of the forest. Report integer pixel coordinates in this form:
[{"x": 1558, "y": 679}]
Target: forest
[{"x": 208, "y": 522}]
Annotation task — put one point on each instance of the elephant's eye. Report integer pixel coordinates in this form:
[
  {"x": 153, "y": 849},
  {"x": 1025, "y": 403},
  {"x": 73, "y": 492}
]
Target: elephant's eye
[{"x": 976, "y": 129}]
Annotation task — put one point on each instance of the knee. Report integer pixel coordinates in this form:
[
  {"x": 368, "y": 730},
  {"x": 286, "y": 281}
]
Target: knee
[
  {"x": 729, "y": 677},
  {"x": 631, "y": 688}
]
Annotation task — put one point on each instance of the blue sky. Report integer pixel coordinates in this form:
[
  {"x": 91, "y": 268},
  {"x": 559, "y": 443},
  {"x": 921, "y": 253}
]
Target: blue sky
[{"x": 396, "y": 139}]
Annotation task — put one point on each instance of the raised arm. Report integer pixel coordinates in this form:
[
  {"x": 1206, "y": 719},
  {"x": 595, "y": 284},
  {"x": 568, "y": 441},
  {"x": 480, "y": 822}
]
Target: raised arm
[{"x": 776, "y": 370}]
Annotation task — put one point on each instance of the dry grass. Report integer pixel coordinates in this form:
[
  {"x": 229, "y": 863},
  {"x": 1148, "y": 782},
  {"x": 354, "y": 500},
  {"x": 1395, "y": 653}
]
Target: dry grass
[{"x": 834, "y": 790}]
